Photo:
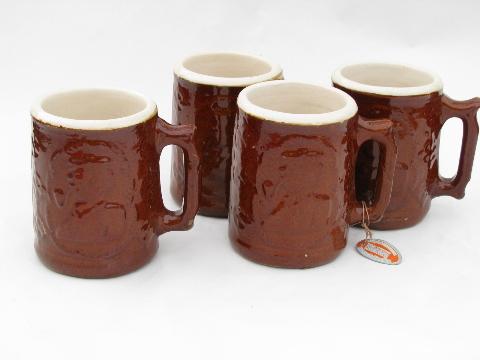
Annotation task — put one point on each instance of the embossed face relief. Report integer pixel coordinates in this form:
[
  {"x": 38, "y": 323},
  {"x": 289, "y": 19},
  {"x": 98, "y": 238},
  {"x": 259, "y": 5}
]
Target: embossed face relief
[
  {"x": 413, "y": 100},
  {"x": 292, "y": 193},
  {"x": 387, "y": 79},
  {"x": 226, "y": 69},
  {"x": 93, "y": 109},
  {"x": 296, "y": 103}
]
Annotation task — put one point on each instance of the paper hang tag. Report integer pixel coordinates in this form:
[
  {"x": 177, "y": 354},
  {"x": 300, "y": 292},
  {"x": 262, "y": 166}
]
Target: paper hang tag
[
  {"x": 379, "y": 251},
  {"x": 376, "y": 249}
]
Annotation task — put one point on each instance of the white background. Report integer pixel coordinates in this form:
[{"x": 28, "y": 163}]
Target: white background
[{"x": 198, "y": 298}]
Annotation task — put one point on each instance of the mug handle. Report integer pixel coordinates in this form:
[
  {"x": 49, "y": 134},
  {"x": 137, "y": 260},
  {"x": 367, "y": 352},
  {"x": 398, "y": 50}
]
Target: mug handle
[
  {"x": 467, "y": 112},
  {"x": 381, "y": 131},
  {"x": 182, "y": 136}
]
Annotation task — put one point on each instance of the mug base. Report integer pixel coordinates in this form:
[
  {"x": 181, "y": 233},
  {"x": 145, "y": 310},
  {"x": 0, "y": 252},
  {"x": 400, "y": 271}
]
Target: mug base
[
  {"x": 273, "y": 258},
  {"x": 96, "y": 268}
]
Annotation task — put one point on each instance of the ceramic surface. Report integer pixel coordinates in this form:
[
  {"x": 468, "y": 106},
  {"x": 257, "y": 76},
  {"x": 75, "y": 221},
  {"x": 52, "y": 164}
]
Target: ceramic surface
[
  {"x": 205, "y": 95},
  {"x": 292, "y": 194},
  {"x": 98, "y": 206},
  {"x": 418, "y": 110}
]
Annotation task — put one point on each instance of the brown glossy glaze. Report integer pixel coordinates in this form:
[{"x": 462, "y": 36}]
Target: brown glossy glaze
[
  {"x": 292, "y": 195},
  {"x": 212, "y": 109},
  {"x": 97, "y": 202},
  {"x": 417, "y": 123}
]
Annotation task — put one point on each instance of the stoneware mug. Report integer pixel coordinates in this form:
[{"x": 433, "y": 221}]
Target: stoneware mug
[
  {"x": 413, "y": 100},
  {"x": 97, "y": 200},
  {"x": 205, "y": 93},
  {"x": 292, "y": 190}
]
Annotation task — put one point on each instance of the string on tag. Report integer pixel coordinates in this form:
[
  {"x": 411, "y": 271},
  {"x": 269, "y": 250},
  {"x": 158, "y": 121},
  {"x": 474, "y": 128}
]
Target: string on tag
[
  {"x": 366, "y": 221},
  {"x": 376, "y": 249}
]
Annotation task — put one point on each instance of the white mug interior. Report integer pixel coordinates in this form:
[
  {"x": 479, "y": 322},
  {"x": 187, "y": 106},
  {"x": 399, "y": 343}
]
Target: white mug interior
[
  {"x": 387, "y": 79},
  {"x": 297, "y": 103},
  {"x": 93, "y": 109},
  {"x": 227, "y": 69}
]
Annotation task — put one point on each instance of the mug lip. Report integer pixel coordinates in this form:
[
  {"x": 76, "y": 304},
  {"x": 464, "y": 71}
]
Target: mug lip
[
  {"x": 40, "y": 114},
  {"x": 348, "y": 111},
  {"x": 181, "y": 71},
  {"x": 435, "y": 85}
]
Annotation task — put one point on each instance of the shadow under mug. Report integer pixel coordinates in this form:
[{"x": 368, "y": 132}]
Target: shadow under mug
[
  {"x": 97, "y": 202},
  {"x": 292, "y": 190},
  {"x": 414, "y": 101},
  {"x": 205, "y": 93}
]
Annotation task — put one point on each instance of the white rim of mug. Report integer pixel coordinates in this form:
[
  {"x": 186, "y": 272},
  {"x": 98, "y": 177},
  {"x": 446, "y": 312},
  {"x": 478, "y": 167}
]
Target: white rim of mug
[
  {"x": 346, "y": 112},
  {"x": 39, "y": 113},
  {"x": 435, "y": 85},
  {"x": 181, "y": 71}
]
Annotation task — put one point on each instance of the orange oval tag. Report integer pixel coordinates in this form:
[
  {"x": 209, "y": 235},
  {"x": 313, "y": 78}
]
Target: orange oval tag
[{"x": 379, "y": 251}]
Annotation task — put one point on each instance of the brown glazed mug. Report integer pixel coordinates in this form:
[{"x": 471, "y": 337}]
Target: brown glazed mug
[
  {"x": 205, "y": 93},
  {"x": 413, "y": 100},
  {"x": 97, "y": 202},
  {"x": 292, "y": 190}
]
